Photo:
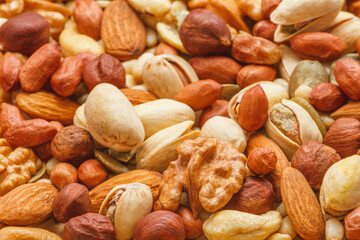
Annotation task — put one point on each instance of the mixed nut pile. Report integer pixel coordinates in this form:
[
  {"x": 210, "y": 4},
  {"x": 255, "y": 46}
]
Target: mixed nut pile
[{"x": 174, "y": 119}]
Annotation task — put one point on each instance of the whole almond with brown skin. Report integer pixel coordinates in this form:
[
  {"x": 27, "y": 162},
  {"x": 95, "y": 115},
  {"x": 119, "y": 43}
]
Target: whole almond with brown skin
[
  {"x": 87, "y": 15},
  {"x": 30, "y": 133},
  {"x": 9, "y": 115},
  {"x": 137, "y": 97},
  {"x": 48, "y": 106},
  {"x": 251, "y": 74},
  {"x": 200, "y": 94},
  {"x": 259, "y": 140},
  {"x": 40, "y": 67},
  {"x": 347, "y": 74},
  {"x": 150, "y": 178},
  {"x": 72, "y": 201},
  {"x": 218, "y": 108},
  {"x": 327, "y": 97},
  {"x": 344, "y": 136},
  {"x": 268, "y": 6},
  {"x": 122, "y": 31},
  {"x": 10, "y": 67},
  {"x": 104, "y": 69},
  {"x": 25, "y": 33},
  {"x": 320, "y": 46},
  {"x": 219, "y": 68},
  {"x": 301, "y": 205},
  {"x": 265, "y": 29},
  {"x": 27, "y": 204},
  {"x": 352, "y": 224},
  {"x": 193, "y": 227},
  {"x": 350, "y": 110},
  {"x": 67, "y": 77},
  {"x": 253, "y": 109},
  {"x": 255, "y": 50},
  {"x": 203, "y": 33},
  {"x": 164, "y": 48}
]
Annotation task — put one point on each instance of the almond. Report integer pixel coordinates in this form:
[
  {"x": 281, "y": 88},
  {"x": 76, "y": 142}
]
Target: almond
[
  {"x": 10, "y": 67},
  {"x": 9, "y": 116},
  {"x": 122, "y": 31},
  {"x": 350, "y": 110},
  {"x": 253, "y": 109},
  {"x": 218, "y": 68},
  {"x": 48, "y": 106},
  {"x": 27, "y": 204},
  {"x": 30, "y": 133},
  {"x": 40, "y": 67},
  {"x": 199, "y": 94},
  {"x": 320, "y": 46},
  {"x": 301, "y": 205},
  {"x": 87, "y": 15},
  {"x": 347, "y": 74},
  {"x": 67, "y": 77},
  {"x": 150, "y": 178},
  {"x": 137, "y": 97}
]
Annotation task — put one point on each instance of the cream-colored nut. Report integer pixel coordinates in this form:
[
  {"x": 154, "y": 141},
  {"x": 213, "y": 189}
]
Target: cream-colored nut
[
  {"x": 128, "y": 65},
  {"x": 103, "y": 3},
  {"x": 15, "y": 233},
  {"x": 281, "y": 210},
  {"x": 303, "y": 91},
  {"x": 225, "y": 129},
  {"x": 283, "y": 83},
  {"x": 79, "y": 117},
  {"x": 51, "y": 226},
  {"x": 151, "y": 38},
  {"x": 38, "y": 174},
  {"x": 326, "y": 119},
  {"x": 157, "y": 8},
  {"x": 44, "y": 180},
  {"x": 110, "y": 163},
  {"x": 288, "y": 62},
  {"x": 2, "y": 21},
  {"x": 287, "y": 227},
  {"x": 125, "y": 206},
  {"x": 170, "y": 35},
  {"x": 334, "y": 230},
  {"x": 162, "y": 113},
  {"x": 137, "y": 69},
  {"x": 279, "y": 236},
  {"x": 232, "y": 225},
  {"x": 130, "y": 81},
  {"x": 73, "y": 42},
  {"x": 140, "y": 87}
]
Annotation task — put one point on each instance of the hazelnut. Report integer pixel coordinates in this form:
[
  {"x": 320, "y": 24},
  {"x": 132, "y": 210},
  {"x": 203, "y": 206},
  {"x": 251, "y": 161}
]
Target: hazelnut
[
  {"x": 265, "y": 29},
  {"x": 204, "y": 32},
  {"x": 193, "y": 227},
  {"x": 92, "y": 173},
  {"x": 251, "y": 74},
  {"x": 313, "y": 159},
  {"x": 352, "y": 224},
  {"x": 72, "y": 144},
  {"x": 160, "y": 225},
  {"x": 72, "y": 201},
  {"x": 218, "y": 108},
  {"x": 262, "y": 161},
  {"x": 63, "y": 174},
  {"x": 256, "y": 196},
  {"x": 344, "y": 136},
  {"x": 90, "y": 226},
  {"x": 327, "y": 97},
  {"x": 164, "y": 48}
]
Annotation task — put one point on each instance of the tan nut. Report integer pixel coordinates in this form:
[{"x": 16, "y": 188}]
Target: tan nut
[{"x": 63, "y": 174}]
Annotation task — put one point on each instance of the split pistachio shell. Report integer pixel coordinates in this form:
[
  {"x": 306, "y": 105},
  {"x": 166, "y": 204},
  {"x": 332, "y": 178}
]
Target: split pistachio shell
[
  {"x": 122, "y": 156},
  {"x": 229, "y": 90},
  {"x": 340, "y": 191},
  {"x": 110, "y": 163},
  {"x": 79, "y": 117},
  {"x": 160, "y": 149},
  {"x": 137, "y": 68},
  {"x": 50, "y": 165},
  {"x": 73, "y": 42},
  {"x": 125, "y": 206},
  {"x": 288, "y": 62},
  {"x": 162, "y": 79},
  {"x": 157, "y": 8},
  {"x": 290, "y": 126},
  {"x": 236, "y": 225},
  {"x": 274, "y": 92},
  {"x": 162, "y": 113},
  {"x": 112, "y": 120},
  {"x": 225, "y": 129},
  {"x": 38, "y": 174}
]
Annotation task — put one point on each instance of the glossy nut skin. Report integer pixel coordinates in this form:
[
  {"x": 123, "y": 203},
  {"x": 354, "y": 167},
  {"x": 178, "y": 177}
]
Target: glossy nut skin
[
  {"x": 251, "y": 74},
  {"x": 10, "y": 67},
  {"x": 262, "y": 161},
  {"x": 218, "y": 108},
  {"x": 63, "y": 174},
  {"x": 268, "y": 6},
  {"x": 352, "y": 224},
  {"x": 256, "y": 196},
  {"x": 327, "y": 97},
  {"x": 90, "y": 226},
  {"x": 347, "y": 73},
  {"x": 160, "y": 225},
  {"x": 164, "y": 48},
  {"x": 72, "y": 201},
  {"x": 265, "y": 29},
  {"x": 193, "y": 227},
  {"x": 92, "y": 173}
]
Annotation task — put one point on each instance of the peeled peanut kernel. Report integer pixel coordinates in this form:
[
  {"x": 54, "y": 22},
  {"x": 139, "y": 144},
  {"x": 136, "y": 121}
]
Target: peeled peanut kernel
[
  {"x": 287, "y": 228},
  {"x": 334, "y": 230},
  {"x": 281, "y": 210},
  {"x": 128, "y": 65}
]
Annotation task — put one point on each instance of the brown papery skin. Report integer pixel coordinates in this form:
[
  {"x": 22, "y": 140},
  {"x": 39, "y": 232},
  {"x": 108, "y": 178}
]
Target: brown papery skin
[
  {"x": 251, "y": 74},
  {"x": 352, "y": 224},
  {"x": 218, "y": 108},
  {"x": 347, "y": 74}
]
